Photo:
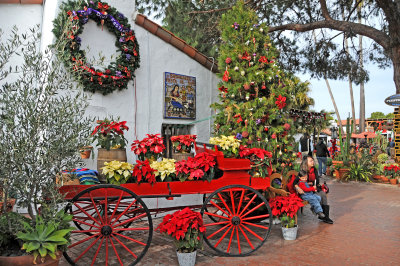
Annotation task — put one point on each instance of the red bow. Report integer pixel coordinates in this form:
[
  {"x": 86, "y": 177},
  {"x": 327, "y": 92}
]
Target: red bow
[{"x": 103, "y": 6}]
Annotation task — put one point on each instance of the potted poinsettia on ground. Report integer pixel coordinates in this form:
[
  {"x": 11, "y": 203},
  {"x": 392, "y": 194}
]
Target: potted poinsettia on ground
[
  {"x": 187, "y": 229},
  {"x": 286, "y": 209},
  {"x": 391, "y": 172}
]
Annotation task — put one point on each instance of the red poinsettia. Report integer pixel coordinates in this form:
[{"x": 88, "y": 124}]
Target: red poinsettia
[
  {"x": 263, "y": 59},
  {"x": 184, "y": 226},
  {"x": 289, "y": 205},
  {"x": 257, "y": 152},
  {"x": 152, "y": 146},
  {"x": 195, "y": 168},
  {"x": 223, "y": 89},
  {"x": 142, "y": 172},
  {"x": 280, "y": 101},
  {"x": 183, "y": 143},
  {"x": 391, "y": 171},
  {"x": 110, "y": 134}
]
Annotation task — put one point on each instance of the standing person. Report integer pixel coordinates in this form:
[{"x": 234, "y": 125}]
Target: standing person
[
  {"x": 305, "y": 145},
  {"x": 322, "y": 153},
  {"x": 307, "y": 165}
]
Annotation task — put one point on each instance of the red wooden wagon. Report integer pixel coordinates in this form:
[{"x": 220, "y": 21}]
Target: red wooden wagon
[{"x": 114, "y": 225}]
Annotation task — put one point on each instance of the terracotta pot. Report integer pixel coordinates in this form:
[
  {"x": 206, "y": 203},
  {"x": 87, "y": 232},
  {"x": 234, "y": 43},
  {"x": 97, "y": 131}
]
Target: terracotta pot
[
  {"x": 10, "y": 206},
  {"x": 343, "y": 172},
  {"x": 384, "y": 179},
  {"x": 108, "y": 156},
  {"x": 377, "y": 177},
  {"x": 393, "y": 181},
  {"x": 27, "y": 260},
  {"x": 336, "y": 162}
]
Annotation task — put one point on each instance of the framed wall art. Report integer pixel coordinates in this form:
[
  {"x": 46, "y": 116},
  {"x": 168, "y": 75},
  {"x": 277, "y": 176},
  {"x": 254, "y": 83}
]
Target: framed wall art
[{"x": 179, "y": 96}]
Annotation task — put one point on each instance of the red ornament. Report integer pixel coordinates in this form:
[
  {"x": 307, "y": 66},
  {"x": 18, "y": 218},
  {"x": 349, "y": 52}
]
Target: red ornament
[
  {"x": 228, "y": 60},
  {"x": 266, "y": 129},
  {"x": 273, "y": 136},
  {"x": 246, "y": 86},
  {"x": 245, "y": 134},
  {"x": 286, "y": 126}
]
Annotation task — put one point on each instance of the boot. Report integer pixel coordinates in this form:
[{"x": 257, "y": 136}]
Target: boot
[
  {"x": 328, "y": 220},
  {"x": 321, "y": 216}
]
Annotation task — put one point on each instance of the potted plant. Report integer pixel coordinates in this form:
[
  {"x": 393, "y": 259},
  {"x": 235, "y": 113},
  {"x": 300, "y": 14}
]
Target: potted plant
[
  {"x": 199, "y": 167},
  {"x": 229, "y": 145},
  {"x": 391, "y": 173},
  {"x": 142, "y": 172},
  {"x": 286, "y": 209},
  {"x": 187, "y": 229},
  {"x": 165, "y": 170},
  {"x": 85, "y": 152},
  {"x": 182, "y": 146},
  {"x": 117, "y": 172},
  {"x": 109, "y": 134},
  {"x": 150, "y": 148}
]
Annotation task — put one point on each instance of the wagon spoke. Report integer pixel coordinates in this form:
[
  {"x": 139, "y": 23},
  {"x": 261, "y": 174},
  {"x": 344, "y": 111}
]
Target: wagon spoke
[
  {"x": 116, "y": 207},
  {"x": 133, "y": 229},
  {"x": 131, "y": 239},
  {"x": 223, "y": 201},
  {"x": 122, "y": 244},
  {"x": 82, "y": 222},
  {"x": 255, "y": 217},
  {"x": 97, "y": 251},
  {"x": 127, "y": 208},
  {"x": 105, "y": 207},
  {"x": 85, "y": 212},
  {"x": 252, "y": 210},
  {"x": 233, "y": 202},
  {"x": 257, "y": 225},
  {"x": 107, "y": 251},
  {"x": 94, "y": 206},
  {"x": 230, "y": 241},
  {"x": 252, "y": 232},
  {"x": 83, "y": 240},
  {"x": 240, "y": 201},
  {"x": 248, "y": 204},
  {"x": 223, "y": 236},
  {"x": 219, "y": 230},
  {"x": 115, "y": 251},
  {"x": 218, "y": 207},
  {"x": 245, "y": 236},
  {"x": 216, "y": 215},
  {"x": 130, "y": 220},
  {"x": 238, "y": 239},
  {"x": 89, "y": 247}
]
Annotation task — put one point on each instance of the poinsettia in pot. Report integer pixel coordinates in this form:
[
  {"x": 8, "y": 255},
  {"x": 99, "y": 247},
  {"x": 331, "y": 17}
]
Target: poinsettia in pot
[
  {"x": 150, "y": 148},
  {"x": 165, "y": 170},
  {"x": 392, "y": 172},
  {"x": 187, "y": 229},
  {"x": 229, "y": 145},
  {"x": 143, "y": 173},
  {"x": 286, "y": 209},
  {"x": 183, "y": 143},
  {"x": 117, "y": 172},
  {"x": 259, "y": 158},
  {"x": 109, "y": 135},
  {"x": 199, "y": 167}
]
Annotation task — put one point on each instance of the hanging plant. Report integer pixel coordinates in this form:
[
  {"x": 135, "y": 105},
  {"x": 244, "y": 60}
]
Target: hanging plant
[{"x": 70, "y": 23}]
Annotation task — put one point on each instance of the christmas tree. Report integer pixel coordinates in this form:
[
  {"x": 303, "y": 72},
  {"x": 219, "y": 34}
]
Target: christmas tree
[{"x": 256, "y": 94}]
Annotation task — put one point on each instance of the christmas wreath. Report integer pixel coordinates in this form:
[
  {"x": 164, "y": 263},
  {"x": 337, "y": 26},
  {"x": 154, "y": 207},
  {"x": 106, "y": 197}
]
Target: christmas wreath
[{"x": 67, "y": 27}]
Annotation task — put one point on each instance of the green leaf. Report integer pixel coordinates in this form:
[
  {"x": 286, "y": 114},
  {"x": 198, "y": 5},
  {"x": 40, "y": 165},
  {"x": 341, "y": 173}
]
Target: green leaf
[
  {"x": 43, "y": 252},
  {"x": 50, "y": 246},
  {"x": 32, "y": 246}
]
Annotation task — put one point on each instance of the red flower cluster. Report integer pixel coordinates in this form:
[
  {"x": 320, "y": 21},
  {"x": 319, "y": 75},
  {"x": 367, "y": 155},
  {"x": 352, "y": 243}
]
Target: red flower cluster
[
  {"x": 106, "y": 127},
  {"x": 223, "y": 89},
  {"x": 195, "y": 167},
  {"x": 263, "y": 59},
  {"x": 280, "y": 101},
  {"x": 178, "y": 223},
  {"x": 183, "y": 142},
  {"x": 258, "y": 152},
  {"x": 226, "y": 76},
  {"x": 286, "y": 205},
  {"x": 391, "y": 171},
  {"x": 150, "y": 146},
  {"x": 143, "y": 172}
]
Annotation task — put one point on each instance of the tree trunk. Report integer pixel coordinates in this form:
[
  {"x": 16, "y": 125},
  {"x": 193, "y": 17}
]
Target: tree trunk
[
  {"x": 396, "y": 67},
  {"x": 362, "y": 94},
  {"x": 334, "y": 103}
]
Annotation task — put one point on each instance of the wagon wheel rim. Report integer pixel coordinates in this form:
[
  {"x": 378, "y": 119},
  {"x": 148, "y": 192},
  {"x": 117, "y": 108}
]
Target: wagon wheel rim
[
  {"x": 117, "y": 227},
  {"x": 238, "y": 232}
]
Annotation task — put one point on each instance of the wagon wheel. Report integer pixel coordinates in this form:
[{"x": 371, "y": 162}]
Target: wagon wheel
[
  {"x": 213, "y": 209},
  {"x": 114, "y": 226},
  {"x": 238, "y": 232}
]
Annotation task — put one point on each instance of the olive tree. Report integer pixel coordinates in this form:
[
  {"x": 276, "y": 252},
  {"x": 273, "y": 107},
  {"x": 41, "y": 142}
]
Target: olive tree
[{"x": 42, "y": 120}]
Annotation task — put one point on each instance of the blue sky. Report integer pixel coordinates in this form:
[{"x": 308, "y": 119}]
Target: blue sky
[{"x": 378, "y": 88}]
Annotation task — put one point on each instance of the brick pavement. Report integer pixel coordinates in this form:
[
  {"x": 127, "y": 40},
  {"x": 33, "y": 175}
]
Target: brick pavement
[{"x": 366, "y": 232}]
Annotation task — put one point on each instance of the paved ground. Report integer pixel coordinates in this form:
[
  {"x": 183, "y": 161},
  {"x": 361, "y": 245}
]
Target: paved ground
[{"x": 366, "y": 231}]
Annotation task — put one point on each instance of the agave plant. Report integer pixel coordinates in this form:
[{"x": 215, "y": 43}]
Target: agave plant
[
  {"x": 43, "y": 238},
  {"x": 359, "y": 173}
]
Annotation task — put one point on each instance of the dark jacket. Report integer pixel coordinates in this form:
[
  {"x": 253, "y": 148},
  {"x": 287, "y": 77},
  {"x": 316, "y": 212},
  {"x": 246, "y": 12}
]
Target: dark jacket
[{"x": 322, "y": 150}]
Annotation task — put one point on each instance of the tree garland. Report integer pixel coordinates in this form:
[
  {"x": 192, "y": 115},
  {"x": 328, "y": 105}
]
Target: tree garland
[{"x": 69, "y": 24}]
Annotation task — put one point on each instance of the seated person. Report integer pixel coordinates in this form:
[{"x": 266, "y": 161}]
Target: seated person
[{"x": 309, "y": 195}]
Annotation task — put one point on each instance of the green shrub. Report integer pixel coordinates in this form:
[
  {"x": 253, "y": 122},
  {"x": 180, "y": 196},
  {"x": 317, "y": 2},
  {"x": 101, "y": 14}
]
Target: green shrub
[{"x": 382, "y": 158}]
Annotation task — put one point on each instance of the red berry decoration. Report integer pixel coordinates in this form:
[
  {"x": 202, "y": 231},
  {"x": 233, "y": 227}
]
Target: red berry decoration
[
  {"x": 228, "y": 60},
  {"x": 273, "y": 136}
]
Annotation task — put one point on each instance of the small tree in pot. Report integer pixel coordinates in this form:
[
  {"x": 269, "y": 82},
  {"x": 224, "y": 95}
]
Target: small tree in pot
[{"x": 186, "y": 228}]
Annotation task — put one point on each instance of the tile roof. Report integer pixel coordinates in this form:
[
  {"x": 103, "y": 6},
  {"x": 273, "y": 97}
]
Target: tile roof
[
  {"x": 344, "y": 122},
  {"x": 180, "y": 44}
]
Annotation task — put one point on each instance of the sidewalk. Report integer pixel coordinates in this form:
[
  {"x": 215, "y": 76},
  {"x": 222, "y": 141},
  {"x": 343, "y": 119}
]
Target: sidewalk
[{"x": 366, "y": 231}]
